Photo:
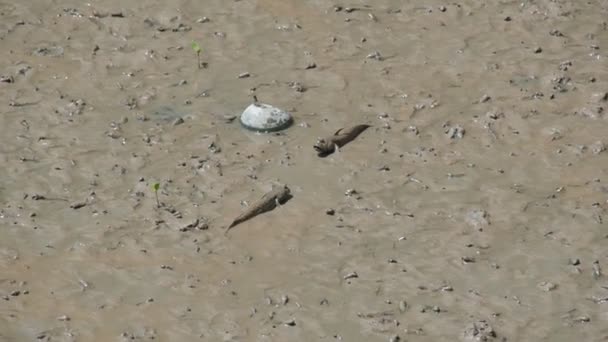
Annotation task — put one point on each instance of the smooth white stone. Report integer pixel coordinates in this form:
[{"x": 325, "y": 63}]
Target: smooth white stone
[{"x": 265, "y": 118}]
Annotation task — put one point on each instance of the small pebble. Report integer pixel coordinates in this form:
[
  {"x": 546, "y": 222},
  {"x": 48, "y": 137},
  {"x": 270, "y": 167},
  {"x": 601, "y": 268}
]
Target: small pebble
[
  {"x": 228, "y": 118},
  {"x": 351, "y": 275},
  {"x": 547, "y": 286},
  {"x": 78, "y": 205},
  {"x": 597, "y": 270},
  {"x": 375, "y": 55},
  {"x": 412, "y": 129},
  {"x": 350, "y": 192},
  {"x": 467, "y": 260},
  {"x": 455, "y": 132},
  {"x": 7, "y": 79}
]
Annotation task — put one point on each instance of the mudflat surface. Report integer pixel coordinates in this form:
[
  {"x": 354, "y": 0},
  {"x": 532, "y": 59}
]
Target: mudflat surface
[{"x": 473, "y": 209}]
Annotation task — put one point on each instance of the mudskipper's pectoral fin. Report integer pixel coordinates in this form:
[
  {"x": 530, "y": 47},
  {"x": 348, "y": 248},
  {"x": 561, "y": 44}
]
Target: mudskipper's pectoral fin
[{"x": 338, "y": 131}]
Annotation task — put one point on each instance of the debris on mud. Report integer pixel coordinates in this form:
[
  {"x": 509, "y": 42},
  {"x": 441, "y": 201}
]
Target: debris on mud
[
  {"x": 453, "y": 132},
  {"x": 479, "y": 331}
]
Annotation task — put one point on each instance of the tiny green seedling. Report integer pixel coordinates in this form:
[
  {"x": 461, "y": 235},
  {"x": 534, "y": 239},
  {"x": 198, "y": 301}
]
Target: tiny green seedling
[
  {"x": 197, "y": 49},
  {"x": 155, "y": 187}
]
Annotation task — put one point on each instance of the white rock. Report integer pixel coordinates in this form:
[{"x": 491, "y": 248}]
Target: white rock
[{"x": 265, "y": 118}]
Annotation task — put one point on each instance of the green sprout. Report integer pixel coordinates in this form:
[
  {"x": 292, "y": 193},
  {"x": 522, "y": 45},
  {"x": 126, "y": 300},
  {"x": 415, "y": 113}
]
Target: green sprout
[
  {"x": 155, "y": 187},
  {"x": 197, "y": 49}
]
